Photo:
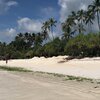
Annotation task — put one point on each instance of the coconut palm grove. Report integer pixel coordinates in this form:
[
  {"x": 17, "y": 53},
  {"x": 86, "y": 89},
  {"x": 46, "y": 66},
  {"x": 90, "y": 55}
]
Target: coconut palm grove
[{"x": 78, "y": 38}]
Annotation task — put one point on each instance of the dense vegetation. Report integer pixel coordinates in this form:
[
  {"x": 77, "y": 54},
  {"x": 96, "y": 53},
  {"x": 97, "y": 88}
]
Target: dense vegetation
[{"x": 75, "y": 41}]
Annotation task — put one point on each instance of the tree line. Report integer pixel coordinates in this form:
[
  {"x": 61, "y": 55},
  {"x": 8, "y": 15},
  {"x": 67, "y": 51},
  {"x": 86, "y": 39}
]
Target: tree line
[{"x": 75, "y": 41}]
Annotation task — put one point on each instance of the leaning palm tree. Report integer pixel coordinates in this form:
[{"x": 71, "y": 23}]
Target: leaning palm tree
[
  {"x": 72, "y": 20},
  {"x": 81, "y": 20},
  {"x": 52, "y": 23},
  {"x": 67, "y": 27},
  {"x": 95, "y": 10},
  {"x": 89, "y": 18},
  {"x": 74, "y": 15}
]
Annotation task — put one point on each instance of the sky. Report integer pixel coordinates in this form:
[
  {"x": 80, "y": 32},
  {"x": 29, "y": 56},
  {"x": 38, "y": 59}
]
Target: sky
[{"x": 28, "y": 15}]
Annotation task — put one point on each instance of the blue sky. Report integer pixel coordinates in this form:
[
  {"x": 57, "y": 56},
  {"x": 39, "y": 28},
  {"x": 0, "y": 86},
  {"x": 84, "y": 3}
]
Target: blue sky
[
  {"x": 34, "y": 9},
  {"x": 28, "y": 15}
]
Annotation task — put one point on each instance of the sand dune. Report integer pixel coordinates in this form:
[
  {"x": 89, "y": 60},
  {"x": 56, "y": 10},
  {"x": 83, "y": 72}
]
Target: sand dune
[{"x": 87, "y": 67}]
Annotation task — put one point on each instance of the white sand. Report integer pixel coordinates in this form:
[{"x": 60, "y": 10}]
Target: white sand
[{"x": 87, "y": 67}]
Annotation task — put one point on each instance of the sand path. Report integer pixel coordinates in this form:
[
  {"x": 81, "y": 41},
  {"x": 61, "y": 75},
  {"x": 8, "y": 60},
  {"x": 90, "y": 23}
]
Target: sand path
[{"x": 25, "y": 86}]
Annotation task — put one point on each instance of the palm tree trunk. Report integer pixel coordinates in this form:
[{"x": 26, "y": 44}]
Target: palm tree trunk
[
  {"x": 90, "y": 27},
  {"x": 52, "y": 32},
  {"x": 98, "y": 20},
  {"x": 49, "y": 37},
  {"x": 81, "y": 26}
]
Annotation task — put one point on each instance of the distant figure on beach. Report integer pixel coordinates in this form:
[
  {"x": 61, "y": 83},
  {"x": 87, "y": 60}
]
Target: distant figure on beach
[
  {"x": 6, "y": 61},
  {"x": 6, "y": 58}
]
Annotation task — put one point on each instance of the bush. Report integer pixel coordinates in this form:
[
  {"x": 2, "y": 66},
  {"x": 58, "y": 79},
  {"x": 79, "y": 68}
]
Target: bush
[
  {"x": 83, "y": 45},
  {"x": 53, "y": 48}
]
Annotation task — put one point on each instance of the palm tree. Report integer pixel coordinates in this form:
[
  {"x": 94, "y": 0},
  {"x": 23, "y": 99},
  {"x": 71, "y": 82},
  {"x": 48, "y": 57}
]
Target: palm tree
[
  {"x": 80, "y": 28},
  {"x": 45, "y": 29},
  {"x": 33, "y": 36},
  {"x": 74, "y": 16},
  {"x": 20, "y": 35},
  {"x": 52, "y": 23},
  {"x": 67, "y": 30},
  {"x": 81, "y": 20},
  {"x": 38, "y": 40},
  {"x": 95, "y": 10},
  {"x": 48, "y": 27},
  {"x": 89, "y": 18},
  {"x": 28, "y": 38},
  {"x": 67, "y": 27},
  {"x": 45, "y": 35}
]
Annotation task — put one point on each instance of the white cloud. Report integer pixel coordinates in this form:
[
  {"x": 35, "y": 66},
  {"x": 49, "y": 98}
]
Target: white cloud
[
  {"x": 24, "y": 25},
  {"x": 71, "y": 5},
  {"x": 12, "y": 3},
  {"x": 7, "y": 35},
  {"x": 83, "y": 6},
  {"x": 29, "y": 25},
  {"x": 6, "y": 5},
  {"x": 48, "y": 12},
  {"x": 10, "y": 32}
]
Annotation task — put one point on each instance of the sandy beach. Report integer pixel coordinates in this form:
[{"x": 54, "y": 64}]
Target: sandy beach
[
  {"x": 35, "y": 86},
  {"x": 87, "y": 67}
]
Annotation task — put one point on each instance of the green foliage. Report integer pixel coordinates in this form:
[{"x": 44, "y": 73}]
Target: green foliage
[
  {"x": 84, "y": 45},
  {"x": 80, "y": 45},
  {"x": 29, "y": 54},
  {"x": 53, "y": 48},
  {"x": 2, "y": 49}
]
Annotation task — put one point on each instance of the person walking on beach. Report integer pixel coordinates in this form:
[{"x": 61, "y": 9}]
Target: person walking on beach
[
  {"x": 6, "y": 58},
  {"x": 6, "y": 61}
]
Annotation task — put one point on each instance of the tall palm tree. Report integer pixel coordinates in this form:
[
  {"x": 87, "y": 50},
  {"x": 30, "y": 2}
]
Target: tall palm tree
[
  {"x": 67, "y": 30},
  {"x": 45, "y": 29},
  {"x": 48, "y": 27},
  {"x": 19, "y": 36},
  {"x": 74, "y": 16},
  {"x": 33, "y": 36},
  {"x": 52, "y": 23},
  {"x": 89, "y": 19},
  {"x": 28, "y": 38},
  {"x": 38, "y": 40},
  {"x": 67, "y": 27},
  {"x": 45, "y": 35},
  {"x": 81, "y": 16},
  {"x": 81, "y": 20},
  {"x": 95, "y": 10},
  {"x": 80, "y": 28},
  {"x": 72, "y": 20}
]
